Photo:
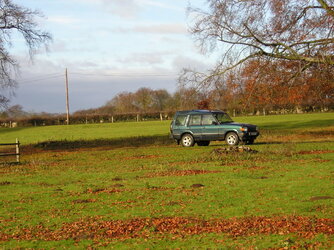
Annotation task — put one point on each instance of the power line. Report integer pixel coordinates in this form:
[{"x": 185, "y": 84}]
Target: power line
[
  {"x": 40, "y": 79},
  {"x": 44, "y": 75},
  {"x": 125, "y": 75},
  {"x": 56, "y": 75}
]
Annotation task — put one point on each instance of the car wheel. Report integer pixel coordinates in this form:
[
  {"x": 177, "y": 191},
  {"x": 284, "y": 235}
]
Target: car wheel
[
  {"x": 232, "y": 139},
  {"x": 187, "y": 140},
  {"x": 203, "y": 143}
]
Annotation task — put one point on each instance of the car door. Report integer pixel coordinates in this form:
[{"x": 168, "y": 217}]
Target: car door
[
  {"x": 195, "y": 126},
  {"x": 210, "y": 129}
]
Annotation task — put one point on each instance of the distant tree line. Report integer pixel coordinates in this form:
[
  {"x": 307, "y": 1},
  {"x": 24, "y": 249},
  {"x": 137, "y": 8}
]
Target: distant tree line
[
  {"x": 259, "y": 87},
  {"x": 146, "y": 100},
  {"x": 264, "y": 86}
]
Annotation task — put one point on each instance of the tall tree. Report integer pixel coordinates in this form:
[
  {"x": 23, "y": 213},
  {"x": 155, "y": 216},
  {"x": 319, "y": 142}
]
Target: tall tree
[
  {"x": 161, "y": 98},
  {"x": 143, "y": 99},
  {"x": 123, "y": 102},
  {"x": 187, "y": 98},
  {"x": 294, "y": 30},
  {"x": 15, "y": 18}
]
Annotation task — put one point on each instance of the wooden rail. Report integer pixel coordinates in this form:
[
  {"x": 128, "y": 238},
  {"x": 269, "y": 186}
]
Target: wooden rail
[{"x": 17, "y": 150}]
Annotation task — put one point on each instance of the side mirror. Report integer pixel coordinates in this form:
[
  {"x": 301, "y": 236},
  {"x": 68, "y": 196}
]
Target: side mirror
[{"x": 214, "y": 123}]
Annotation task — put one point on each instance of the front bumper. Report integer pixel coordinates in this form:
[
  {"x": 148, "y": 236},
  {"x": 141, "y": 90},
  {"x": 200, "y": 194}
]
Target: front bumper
[{"x": 249, "y": 135}]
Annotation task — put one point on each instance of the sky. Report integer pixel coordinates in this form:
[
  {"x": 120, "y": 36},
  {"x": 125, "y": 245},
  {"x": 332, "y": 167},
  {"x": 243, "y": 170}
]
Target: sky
[{"x": 108, "y": 46}]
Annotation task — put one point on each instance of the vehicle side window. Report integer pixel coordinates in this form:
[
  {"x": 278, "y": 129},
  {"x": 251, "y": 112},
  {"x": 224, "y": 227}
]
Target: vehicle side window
[
  {"x": 195, "y": 120},
  {"x": 180, "y": 120},
  {"x": 208, "y": 120}
]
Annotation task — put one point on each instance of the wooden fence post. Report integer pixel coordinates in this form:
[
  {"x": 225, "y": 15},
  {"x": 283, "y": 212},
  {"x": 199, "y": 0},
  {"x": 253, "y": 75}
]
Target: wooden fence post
[{"x": 17, "y": 151}]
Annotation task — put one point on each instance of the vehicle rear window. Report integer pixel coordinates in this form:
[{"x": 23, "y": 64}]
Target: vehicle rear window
[{"x": 180, "y": 120}]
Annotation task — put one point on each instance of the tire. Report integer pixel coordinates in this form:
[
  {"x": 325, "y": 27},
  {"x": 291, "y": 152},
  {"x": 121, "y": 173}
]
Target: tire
[
  {"x": 232, "y": 139},
  {"x": 203, "y": 143},
  {"x": 187, "y": 140},
  {"x": 250, "y": 142}
]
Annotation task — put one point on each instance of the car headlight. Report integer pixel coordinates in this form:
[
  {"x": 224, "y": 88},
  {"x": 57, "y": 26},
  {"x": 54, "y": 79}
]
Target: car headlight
[{"x": 244, "y": 129}]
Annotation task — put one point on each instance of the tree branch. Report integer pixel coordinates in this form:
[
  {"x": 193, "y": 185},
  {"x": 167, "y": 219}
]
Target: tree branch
[{"x": 329, "y": 9}]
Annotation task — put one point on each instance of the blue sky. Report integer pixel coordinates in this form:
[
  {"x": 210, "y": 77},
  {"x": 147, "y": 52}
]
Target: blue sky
[{"x": 108, "y": 46}]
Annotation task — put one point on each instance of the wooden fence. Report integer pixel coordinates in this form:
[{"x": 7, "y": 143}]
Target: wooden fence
[
  {"x": 17, "y": 150},
  {"x": 84, "y": 119}
]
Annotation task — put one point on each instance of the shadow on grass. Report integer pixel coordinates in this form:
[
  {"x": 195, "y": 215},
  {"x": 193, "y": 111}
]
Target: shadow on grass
[{"x": 141, "y": 141}]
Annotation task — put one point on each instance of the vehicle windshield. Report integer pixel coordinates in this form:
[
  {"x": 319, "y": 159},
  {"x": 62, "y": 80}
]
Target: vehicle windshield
[{"x": 223, "y": 118}]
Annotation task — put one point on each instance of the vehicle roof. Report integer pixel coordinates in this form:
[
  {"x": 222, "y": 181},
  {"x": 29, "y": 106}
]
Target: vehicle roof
[{"x": 199, "y": 111}]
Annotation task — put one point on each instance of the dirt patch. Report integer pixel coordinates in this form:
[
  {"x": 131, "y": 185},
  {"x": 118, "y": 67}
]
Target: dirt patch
[
  {"x": 83, "y": 201},
  {"x": 180, "y": 173},
  {"x": 138, "y": 157},
  {"x": 184, "y": 163},
  {"x": 315, "y": 152},
  {"x": 229, "y": 150},
  {"x": 197, "y": 186},
  {"x": 103, "y": 190},
  {"x": 117, "y": 179},
  {"x": 317, "y": 198},
  {"x": 97, "y": 229},
  {"x": 118, "y": 185},
  {"x": 263, "y": 177},
  {"x": 5, "y": 183},
  {"x": 174, "y": 203}
]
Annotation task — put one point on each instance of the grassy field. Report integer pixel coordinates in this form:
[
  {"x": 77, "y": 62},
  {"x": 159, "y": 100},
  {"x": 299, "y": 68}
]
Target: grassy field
[
  {"x": 271, "y": 124},
  {"x": 280, "y": 195}
]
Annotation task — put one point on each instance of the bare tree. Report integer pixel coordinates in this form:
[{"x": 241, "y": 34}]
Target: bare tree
[
  {"x": 161, "y": 98},
  {"x": 15, "y": 18},
  {"x": 297, "y": 30},
  {"x": 143, "y": 99},
  {"x": 124, "y": 102}
]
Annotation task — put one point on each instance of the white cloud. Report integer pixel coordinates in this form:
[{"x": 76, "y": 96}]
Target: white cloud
[
  {"x": 181, "y": 62},
  {"x": 171, "y": 28},
  {"x": 122, "y": 8},
  {"x": 146, "y": 58},
  {"x": 159, "y": 4},
  {"x": 132, "y": 8},
  {"x": 63, "y": 20}
]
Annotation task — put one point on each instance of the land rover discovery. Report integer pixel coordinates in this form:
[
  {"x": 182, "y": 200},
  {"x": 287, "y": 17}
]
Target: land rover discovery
[{"x": 202, "y": 126}]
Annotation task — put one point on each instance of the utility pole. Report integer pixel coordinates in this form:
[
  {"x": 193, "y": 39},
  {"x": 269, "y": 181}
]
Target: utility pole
[{"x": 67, "y": 102}]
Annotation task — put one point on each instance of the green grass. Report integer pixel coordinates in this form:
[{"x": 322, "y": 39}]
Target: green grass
[
  {"x": 291, "y": 176},
  {"x": 291, "y": 121},
  {"x": 273, "y": 124},
  {"x": 32, "y": 135}
]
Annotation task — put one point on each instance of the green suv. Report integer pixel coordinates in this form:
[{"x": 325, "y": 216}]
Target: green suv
[{"x": 202, "y": 126}]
